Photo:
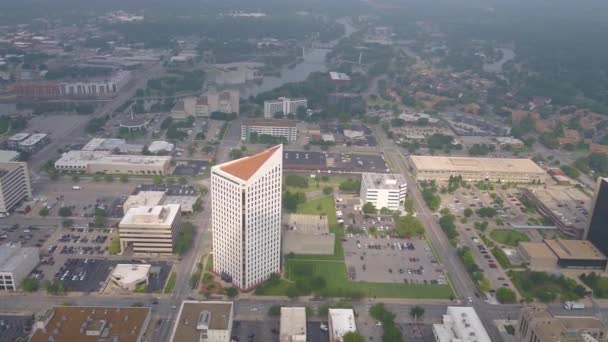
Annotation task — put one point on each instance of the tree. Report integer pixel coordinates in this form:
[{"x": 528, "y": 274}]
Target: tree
[
  {"x": 67, "y": 223},
  {"x": 30, "y": 284},
  {"x": 352, "y": 336},
  {"x": 182, "y": 180},
  {"x": 75, "y": 178},
  {"x": 124, "y": 178},
  {"x": 44, "y": 212},
  {"x": 108, "y": 178},
  {"x": 506, "y": 295},
  {"x": 292, "y": 292},
  {"x": 409, "y": 226},
  {"x": 369, "y": 209},
  {"x": 292, "y": 200},
  {"x": 416, "y": 312},
  {"x": 274, "y": 310},
  {"x": 328, "y": 190},
  {"x": 65, "y": 212},
  {"x": 236, "y": 154},
  {"x": 157, "y": 180},
  {"x": 296, "y": 181},
  {"x": 468, "y": 212},
  {"x": 232, "y": 292}
]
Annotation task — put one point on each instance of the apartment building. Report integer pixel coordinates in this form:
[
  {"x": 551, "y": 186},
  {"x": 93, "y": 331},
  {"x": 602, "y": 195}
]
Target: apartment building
[
  {"x": 225, "y": 102},
  {"x": 246, "y": 220},
  {"x": 16, "y": 263},
  {"x": 273, "y": 127},
  {"x": 150, "y": 229},
  {"x": 283, "y": 105},
  {"x": 383, "y": 190},
  {"x": 14, "y": 185}
]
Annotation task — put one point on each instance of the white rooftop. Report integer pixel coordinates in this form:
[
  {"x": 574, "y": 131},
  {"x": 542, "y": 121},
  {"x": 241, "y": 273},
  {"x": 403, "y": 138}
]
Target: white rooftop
[
  {"x": 461, "y": 324},
  {"x": 7, "y": 156},
  {"x": 144, "y": 198},
  {"x": 159, "y": 146},
  {"x": 11, "y": 256},
  {"x": 293, "y": 324},
  {"x": 151, "y": 215},
  {"x": 385, "y": 181},
  {"x": 86, "y": 157},
  {"x": 126, "y": 274},
  {"x": 33, "y": 139},
  {"x": 19, "y": 136},
  {"x": 339, "y": 76},
  {"x": 342, "y": 321}
]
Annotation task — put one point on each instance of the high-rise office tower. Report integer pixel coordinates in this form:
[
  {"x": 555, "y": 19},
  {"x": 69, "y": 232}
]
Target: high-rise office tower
[
  {"x": 597, "y": 230},
  {"x": 246, "y": 217}
]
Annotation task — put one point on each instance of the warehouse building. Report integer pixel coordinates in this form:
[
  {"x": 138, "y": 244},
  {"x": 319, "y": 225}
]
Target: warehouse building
[
  {"x": 536, "y": 323},
  {"x": 293, "y": 324},
  {"x": 273, "y": 127},
  {"x": 92, "y": 324},
  {"x": 16, "y": 263},
  {"x": 559, "y": 253},
  {"x": 106, "y": 162},
  {"x": 14, "y": 185},
  {"x": 383, "y": 190},
  {"x": 440, "y": 168},
  {"x": 203, "y": 321},
  {"x": 149, "y": 229}
]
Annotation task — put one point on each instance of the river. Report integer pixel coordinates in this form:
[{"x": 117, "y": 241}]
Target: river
[{"x": 313, "y": 61}]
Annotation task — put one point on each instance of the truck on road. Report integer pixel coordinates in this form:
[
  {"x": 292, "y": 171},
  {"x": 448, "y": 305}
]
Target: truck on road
[{"x": 574, "y": 306}]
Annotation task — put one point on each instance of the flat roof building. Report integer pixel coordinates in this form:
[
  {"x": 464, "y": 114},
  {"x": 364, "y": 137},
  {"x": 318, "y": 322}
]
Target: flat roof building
[
  {"x": 33, "y": 143},
  {"x": 105, "y": 162},
  {"x": 304, "y": 160},
  {"x": 15, "y": 185},
  {"x": 92, "y": 324},
  {"x": 383, "y": 190},
  {"x": 340, "y": 322},
  {"x": 273, "y": 127},
  {"x": 14, "y": 140},
  {"x": 538, "y": 255},
  {"x": 538, "y": 324},
  {"x": 339, "y": 77},
  {"x": 130, "y": 276},
  {"x": 283, "y": 105},
  {"x": 597, "y": 229},
  {"x": 144, "y": 198},
  {"x": 246, "y": 219},
  {"x": 112, "y": 145},
  {"x": 440, "y": 168},
  {"x": 9, "y": 156},
  {"x": 460, "y": 324},
  {"x": 553, "y": 253},
  {"x": 16, "y": 263},
  {"x": 223, "y": 102},
  {"x": 293, "y": 325},
  {"x": 160, "y": 146},
  {"x": 149, "y": 229},
  {"x": 203, "y": 321}
]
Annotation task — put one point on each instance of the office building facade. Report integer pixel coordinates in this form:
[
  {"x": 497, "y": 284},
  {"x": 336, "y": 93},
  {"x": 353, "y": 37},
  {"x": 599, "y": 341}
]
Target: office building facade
[
  {"x": 224, "y": 102},
  {"x": 14, "y": 185},
  {"x": 246, "y": 219},
  {"x": 383, "y": 190},
  {"x": 273, "y": 127},
  {"x": 150, "y": 230},
  {"x": 597, "y": 230},
  {"x": 16, "y": 263},
  {"x": 283, "y": 105}
]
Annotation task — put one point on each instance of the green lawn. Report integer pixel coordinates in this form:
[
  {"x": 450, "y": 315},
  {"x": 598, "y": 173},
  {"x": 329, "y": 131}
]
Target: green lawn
[
  {"x": 508, "y": 237},
  {"x": 334, "y": 182},
  {"x": 333, "y": 269},
  {"x": 170, "y": 283}
]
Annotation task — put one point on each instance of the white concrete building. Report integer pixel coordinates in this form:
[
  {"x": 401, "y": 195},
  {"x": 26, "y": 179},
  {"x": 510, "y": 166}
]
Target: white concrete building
[
  {"x": 383, "y": 190},
  {"x": 150, "y": 229},
  {"x": 460, "y": 324},
  {"x": 16, "y": 263},
  {"x": 246, "y": 220},
  {"x": 284, "y": 105},
  {"x": 99, "y": 87},
  {"x": 203, "y": 321},
  {"x": 161, "y": 146},
  {"x": 106, "y": 162},
  {"x": 293, "y": 325},
  {"x": 130, "y": 276},
  {"x": 273, "y": 127},
  {"x": 14, "y": 185},
  {"x": 340, "y": 322},
  {"x": 144, "y": 199},
  {"x": 224, "y": 102}
]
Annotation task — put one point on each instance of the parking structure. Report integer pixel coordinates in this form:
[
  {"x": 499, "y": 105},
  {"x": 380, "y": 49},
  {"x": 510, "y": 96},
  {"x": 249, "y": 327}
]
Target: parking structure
[{"x": 392, "y": 260}]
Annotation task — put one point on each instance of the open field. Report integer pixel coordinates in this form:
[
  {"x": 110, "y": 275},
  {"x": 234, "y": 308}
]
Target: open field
[{"x": 508, "y": 237}]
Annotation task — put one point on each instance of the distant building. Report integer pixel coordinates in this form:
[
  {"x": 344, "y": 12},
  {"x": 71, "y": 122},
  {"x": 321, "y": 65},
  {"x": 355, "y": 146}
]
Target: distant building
[
  {"x": 33, "y": 142},
  {"x": 224, "y": 102},
  {"x": 538, "y": 324},
  {"x": 16, "y": 263},
  {"x": 14, "y": 140},
  {"x": 383, "y": 190},
  {"x": 273, "y": 127},
  {"x": 509, "y": 141},
  {"x": 553, "y": 253},
  {"x": 92, "y": 323},
  {"x": 440, "y": 168},
  {"x": 130, "y": 276},
  {"x": 304, "y": 160},
  {"x": 9, "y": 156},
  {"x": 203, "y": 321},
  {"x": 101, "y": 87},
  {"x": 460, "y": 324},
  {"x": 14, "y": 185},
  {"x": 293, "y": 325},
  {"x": 339, "y": 78},
  {"x": 112, "y": 145},
  {"x": 184, "y": 108},
  {"x": 246, "y": 225},
  {"x": 150, "y": 229},
  {"x": 340, "y": 322},
  {"x": 160, "y": 146},
  {"x": 104, "y": 162},
  {"x": 144, "y": 198},
  {"x": 283, "y": 105},
  {"x": 36, "y": 89},
  {"x": 597, "y": 230}
]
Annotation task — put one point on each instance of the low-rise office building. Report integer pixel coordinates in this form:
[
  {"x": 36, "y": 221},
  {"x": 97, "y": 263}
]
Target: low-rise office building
[
  {"x": 14, "y": 140},
  {"x": 33, "y": 143},
  {"x": 112, "y": 145},
  {"x": 92, "y": 324},
  {"x": 273, "y": 127},
  {"x": 293, "y": 325},
  {"x": 537, "y": 324},
  {"x": 150, "y": 229},
  {"x": 340, "y": 322},
  {"x": 556, "y": 253},
  {"x": 9, "y": 156},
  {"x": 441, "y": 168},
  {"x": 14, "y": 185},
  {"x": 144, "y": 199},
  {"x": 224, "y": 102},
  {"x": 16, "y": 263},
  {"x": 283, "y": 105},
  {"x": 203, "y": 321},
  {"x": 383, "y": 190},
  {"x": 106, "y": 162},
  {"x": 130, "y": 276},
  {"x": 460, "y": 324}
]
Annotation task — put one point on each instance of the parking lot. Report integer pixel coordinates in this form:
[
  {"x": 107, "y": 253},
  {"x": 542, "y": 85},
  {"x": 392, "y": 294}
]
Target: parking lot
[
  {"x": 169, "y": 189},
  {"x": 268, "y": 331},
  {"x": 189, "y": 167},
  {"x": 392, "y": 260},
  {"x": 13, "y": 328},
  {"x": 27, "y": 236}
]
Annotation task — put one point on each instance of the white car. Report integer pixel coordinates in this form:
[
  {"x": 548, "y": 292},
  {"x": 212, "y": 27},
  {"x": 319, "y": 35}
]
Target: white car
[{"x": 323, "y": 327}]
